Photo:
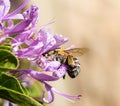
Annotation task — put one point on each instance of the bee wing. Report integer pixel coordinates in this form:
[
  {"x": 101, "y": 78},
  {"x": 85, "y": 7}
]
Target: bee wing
[{"x": 78, "y": 51}]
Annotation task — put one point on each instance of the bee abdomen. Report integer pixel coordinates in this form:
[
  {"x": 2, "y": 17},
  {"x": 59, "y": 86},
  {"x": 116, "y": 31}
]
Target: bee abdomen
[{"x": 74, "y": 71}]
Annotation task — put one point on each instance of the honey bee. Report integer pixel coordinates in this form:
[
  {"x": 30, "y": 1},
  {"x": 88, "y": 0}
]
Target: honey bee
[{"x": 69, "y": 58}]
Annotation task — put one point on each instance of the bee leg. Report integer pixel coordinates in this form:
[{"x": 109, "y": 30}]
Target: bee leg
[{"x": 64, "y": 76}]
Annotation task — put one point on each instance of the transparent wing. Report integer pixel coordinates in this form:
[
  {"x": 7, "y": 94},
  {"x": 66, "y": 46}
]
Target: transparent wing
[{"x": 77, "y": 51}]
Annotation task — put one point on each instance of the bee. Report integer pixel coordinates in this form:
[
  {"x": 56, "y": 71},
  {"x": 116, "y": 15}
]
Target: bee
[{"x": 67, "y": 57}]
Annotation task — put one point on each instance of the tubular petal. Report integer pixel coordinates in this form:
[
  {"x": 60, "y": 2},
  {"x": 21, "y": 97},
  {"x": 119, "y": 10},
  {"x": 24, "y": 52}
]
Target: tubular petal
[
  {"x": 50, "y": 94},
  {"x": 4, "y": 8},
  {"x": 69, "y": 97},
  {"x": 39, "y": 75},
  {"x": 18, "y": 9},
  {"x": 61, "y": 71}
]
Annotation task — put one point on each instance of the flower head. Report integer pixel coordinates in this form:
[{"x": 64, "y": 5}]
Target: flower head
[
  {"x": 33, "y": 44},
  {"x": 37, "y": 44}
]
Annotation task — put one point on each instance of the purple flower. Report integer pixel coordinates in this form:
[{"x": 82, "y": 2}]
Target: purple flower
[
  {"x": 43, "y": 78},
  {"x": 51, "y": 42},
  {"x": 48, "y": 65},
  {"x": 32, "y": 44},
  {"x": 61, "y": 71},
  {"x": 37, "y": 42},
  {"x": 5, "y": 7},
  {"x": 29, "y": 19}
]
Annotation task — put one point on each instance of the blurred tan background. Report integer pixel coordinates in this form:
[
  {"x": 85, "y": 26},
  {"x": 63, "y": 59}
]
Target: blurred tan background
[{"x": 94, "y": 24}]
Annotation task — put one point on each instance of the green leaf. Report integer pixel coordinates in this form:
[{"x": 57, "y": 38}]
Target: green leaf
[
  {"x": 8, "y": 61},
  {"x": 12, "y": 90},
  {"x": 18, "y": 98},
  {"x": 11, "y": 83}
]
